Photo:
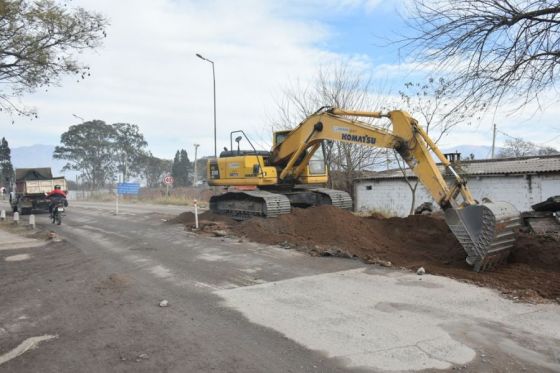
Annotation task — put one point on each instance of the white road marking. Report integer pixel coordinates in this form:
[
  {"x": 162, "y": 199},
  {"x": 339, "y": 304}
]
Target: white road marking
[
  {"x": 17, "y": 258},
  {"x": 26, "y": 345},
  {"x": 22, "y": 243}
]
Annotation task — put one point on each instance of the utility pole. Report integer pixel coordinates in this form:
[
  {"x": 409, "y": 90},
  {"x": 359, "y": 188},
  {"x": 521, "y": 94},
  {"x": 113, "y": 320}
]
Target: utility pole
[
  {"x": 494, "y": 140},
  {"x": 214, "y": 82},
  {"x": 195, "y": 166}
]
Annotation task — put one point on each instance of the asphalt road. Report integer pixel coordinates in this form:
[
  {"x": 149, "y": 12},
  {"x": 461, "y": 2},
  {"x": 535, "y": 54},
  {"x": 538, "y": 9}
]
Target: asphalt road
[{"x": 93, "y": 301}]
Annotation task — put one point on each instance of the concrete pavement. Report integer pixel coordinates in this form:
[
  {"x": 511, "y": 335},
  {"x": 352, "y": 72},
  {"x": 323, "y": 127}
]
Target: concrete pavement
[{"x": 398, "y": 321}]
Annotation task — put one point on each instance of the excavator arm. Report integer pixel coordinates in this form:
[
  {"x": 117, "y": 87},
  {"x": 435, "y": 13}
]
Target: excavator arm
[
  {"x": 407, "y": 138},
  {"x": 485, "y": 231}
]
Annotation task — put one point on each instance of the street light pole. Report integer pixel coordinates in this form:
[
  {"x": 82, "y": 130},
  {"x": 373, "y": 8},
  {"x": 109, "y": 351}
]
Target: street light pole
[
  {"x": 195, "y": 168},
  {"x": 214, "y": 82},
  {"x": 79, "y": 117}
]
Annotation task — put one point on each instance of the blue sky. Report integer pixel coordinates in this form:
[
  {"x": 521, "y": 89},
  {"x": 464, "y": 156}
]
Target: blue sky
[
  {"x": 147, "y": 73},
  {"x": 367, "y": 32}
]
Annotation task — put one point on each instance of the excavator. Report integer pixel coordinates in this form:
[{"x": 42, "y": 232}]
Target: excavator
[{"x": 293, "y": 173}]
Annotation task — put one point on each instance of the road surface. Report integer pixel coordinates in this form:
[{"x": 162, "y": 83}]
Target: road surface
[{"x": 92, "y": 300}]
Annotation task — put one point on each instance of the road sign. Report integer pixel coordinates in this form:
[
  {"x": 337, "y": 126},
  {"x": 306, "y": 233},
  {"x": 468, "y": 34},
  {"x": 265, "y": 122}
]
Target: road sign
[
  {"x": 128, "y": 188},
  {"x": 168, "y": 180}
]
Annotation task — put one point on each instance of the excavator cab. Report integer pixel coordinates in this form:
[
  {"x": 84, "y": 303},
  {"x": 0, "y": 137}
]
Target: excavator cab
[{"x": 316, "y": 171}]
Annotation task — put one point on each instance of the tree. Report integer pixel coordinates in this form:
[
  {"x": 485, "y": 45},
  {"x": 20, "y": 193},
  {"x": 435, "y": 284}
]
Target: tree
[
  {"x": 130, "y": 148},
  {"x": 181, "y": 168},
  {"x": 154, "y": 169},
  {"x": 516, "y": 147},
  {"x": 493, "y": 48},
  {"x": 6, "y": 167},
  {"x": 339, "y": 86},
  {"x": 432, "y": 104},
  {"x": 39, "y": 41},
  {"x": 547, "y": 150},
  {"x": 89, "y": 147},
  {"x": 201, "y": 165}
]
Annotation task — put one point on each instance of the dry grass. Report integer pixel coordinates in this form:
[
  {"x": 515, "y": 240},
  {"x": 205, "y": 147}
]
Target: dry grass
[{"x": 177, "y": 196}]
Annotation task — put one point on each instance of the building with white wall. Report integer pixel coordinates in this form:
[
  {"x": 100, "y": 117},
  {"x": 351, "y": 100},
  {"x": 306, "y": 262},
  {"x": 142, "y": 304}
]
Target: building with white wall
[{"x": 520, "y": 181}]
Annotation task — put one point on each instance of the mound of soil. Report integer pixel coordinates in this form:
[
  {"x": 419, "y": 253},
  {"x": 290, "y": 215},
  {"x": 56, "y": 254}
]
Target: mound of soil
[
  {"x": 207, "y": 221},
  {"x": 533, "y": 271},
  {"x": 187, "y": 218}
]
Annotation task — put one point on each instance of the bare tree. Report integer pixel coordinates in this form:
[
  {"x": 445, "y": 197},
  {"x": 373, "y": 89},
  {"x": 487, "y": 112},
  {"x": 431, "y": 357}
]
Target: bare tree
[
  {"x": 432, "y": 103},
  {"x": 547, "y": 150},
  {"x": 39, "y": 44},
  {"x": 494, "y": 48},
  {"x": 339, "y": 86},
  {"x": 516, "y": 147}
]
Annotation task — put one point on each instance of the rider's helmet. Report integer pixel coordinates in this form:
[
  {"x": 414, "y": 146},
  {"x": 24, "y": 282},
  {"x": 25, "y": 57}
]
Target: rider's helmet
[{"x": 57, "y": 187}]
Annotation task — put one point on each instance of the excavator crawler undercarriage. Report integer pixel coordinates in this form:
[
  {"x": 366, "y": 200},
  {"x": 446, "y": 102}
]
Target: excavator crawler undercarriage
[{"x": 242, "y": 205}]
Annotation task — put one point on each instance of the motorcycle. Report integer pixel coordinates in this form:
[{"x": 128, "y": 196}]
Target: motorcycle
[{"x": 58, "y": 213}]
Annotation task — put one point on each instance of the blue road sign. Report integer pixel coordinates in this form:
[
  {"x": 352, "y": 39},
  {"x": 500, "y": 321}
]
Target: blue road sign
[{"x": 128, "y": 188}]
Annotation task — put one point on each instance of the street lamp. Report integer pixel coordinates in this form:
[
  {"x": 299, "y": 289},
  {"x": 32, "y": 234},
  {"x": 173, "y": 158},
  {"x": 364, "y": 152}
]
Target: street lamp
[
  {"x": 79, "y": 117},
  {"x": 214, "y": 80},
  {"x": 195, "y": 168}
]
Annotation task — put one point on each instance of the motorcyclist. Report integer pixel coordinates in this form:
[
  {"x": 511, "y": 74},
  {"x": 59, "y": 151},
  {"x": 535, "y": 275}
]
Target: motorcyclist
[{"x": 55, "y": 196}]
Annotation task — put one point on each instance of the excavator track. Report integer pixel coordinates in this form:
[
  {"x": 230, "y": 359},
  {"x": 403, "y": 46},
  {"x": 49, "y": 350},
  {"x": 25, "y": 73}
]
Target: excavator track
[
  {"x": 338, "y": 198},
  {"x": 486, "y": 232},
  {"x": 248, "y": 204}
]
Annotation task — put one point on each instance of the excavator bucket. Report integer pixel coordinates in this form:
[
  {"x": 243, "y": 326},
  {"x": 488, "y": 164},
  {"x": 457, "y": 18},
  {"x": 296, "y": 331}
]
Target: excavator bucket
[{"x": 485, "y": 231}]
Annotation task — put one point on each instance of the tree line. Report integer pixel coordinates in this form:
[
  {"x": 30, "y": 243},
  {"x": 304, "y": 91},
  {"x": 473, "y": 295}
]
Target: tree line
[{"x": 108, "y": 153}]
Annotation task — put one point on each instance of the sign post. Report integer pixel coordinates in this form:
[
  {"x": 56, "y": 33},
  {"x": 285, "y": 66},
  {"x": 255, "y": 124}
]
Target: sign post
[{"x": 168, "y": 180}]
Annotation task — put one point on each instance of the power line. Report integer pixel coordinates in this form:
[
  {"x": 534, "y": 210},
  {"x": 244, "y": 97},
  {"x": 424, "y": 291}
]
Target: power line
[
  {"x": 552, "y": 139},
  {"x": 521, "y": 139}
]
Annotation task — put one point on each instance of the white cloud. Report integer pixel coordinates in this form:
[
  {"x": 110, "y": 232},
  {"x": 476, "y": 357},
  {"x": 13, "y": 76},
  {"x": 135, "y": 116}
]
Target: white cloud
[{"x": 147, "y": 73}]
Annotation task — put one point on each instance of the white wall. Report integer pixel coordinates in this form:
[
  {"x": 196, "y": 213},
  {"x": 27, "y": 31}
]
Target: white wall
[{"x": 393, "y": 196}]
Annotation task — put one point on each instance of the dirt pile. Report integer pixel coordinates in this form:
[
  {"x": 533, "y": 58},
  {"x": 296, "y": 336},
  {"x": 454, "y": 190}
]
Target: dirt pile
[
  {"x": 404, "y": 242},
  {"x": 207, "y": 221},
  {"x": 532, "y": 273}
]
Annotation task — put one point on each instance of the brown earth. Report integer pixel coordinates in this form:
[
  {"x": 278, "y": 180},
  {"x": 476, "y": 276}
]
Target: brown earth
[
  {"x": 207, "y": 221},
  {"x": 533, "y": 271}
]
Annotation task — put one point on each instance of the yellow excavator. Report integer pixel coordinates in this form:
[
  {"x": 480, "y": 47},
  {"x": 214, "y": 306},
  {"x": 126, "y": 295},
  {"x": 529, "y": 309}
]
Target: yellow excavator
[{"x": 293, "y": 173}]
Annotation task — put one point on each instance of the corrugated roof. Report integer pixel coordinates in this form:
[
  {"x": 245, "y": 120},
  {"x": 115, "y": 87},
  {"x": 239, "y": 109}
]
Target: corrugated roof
[{"x": 505, "y": 166}]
